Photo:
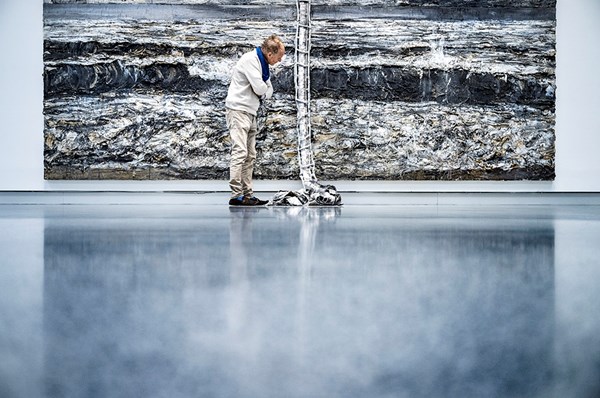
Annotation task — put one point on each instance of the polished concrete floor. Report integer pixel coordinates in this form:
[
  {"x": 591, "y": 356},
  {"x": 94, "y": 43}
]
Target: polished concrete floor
[{"x": 377, "y": 300}]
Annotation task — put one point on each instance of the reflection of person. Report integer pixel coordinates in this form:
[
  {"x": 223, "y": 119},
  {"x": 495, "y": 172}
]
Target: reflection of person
[{"x": 250, "y": 82}]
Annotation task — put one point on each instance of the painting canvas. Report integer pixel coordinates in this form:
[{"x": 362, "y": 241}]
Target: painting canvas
[{"x": 400, "y": 89}]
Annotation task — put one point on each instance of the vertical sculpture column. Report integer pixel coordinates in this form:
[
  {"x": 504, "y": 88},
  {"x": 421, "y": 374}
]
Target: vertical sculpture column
[
  {"x": 318, "y": 194},
  {"x": 302, "y": 83}
]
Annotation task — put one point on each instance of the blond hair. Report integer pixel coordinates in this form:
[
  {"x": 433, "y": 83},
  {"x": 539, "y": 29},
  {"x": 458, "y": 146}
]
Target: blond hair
[{"x": 271, "y": 44}]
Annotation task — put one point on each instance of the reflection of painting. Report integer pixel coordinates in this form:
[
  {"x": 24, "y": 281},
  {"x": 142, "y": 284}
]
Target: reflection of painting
[
  {"x": 401, "y": 90},
  {"x": 146, "y": 306}
]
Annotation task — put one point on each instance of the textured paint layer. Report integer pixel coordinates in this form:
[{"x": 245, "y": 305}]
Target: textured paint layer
[{"x": 402, "y": 92}]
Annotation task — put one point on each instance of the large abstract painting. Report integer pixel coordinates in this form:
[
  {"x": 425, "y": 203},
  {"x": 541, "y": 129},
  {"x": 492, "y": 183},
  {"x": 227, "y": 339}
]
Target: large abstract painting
[{"x": 400, "y": 89}]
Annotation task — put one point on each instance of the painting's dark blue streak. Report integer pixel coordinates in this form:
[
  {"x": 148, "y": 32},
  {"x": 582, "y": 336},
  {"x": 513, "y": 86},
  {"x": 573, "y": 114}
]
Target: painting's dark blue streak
[
  {"x": 435, "y": 13},
  {"x": 164, "y": 12},
  {"x": 160, "y": 12}
]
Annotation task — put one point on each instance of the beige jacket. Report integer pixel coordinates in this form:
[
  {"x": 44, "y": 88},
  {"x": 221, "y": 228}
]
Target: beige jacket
[{"x": 247, "y": 86}]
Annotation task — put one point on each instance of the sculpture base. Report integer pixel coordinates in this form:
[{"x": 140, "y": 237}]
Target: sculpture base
[{"x": 319, "y": 195}]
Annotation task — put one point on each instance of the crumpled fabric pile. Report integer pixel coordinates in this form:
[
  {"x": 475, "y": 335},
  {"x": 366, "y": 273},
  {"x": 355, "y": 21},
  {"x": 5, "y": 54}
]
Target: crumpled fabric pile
[{"x": 324, "y": 195}]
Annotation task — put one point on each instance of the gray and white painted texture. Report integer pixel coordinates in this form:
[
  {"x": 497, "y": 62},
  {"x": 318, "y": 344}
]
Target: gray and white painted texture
[{"x": 401, "y": 90}]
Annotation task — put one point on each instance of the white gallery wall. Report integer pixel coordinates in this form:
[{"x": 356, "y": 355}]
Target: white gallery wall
[{"x": 577, "y": 116}]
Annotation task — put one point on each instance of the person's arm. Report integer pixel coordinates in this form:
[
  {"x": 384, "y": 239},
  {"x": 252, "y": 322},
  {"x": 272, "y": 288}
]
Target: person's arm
[
  {"x": 269, "y": 92},
  {"x": 254, "y": 76}
]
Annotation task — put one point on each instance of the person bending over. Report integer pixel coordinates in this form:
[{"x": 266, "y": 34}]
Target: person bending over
[{"x": 250, "y": 82}]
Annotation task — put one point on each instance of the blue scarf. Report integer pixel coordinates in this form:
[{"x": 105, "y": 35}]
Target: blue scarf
[{"x": 263, "y": 63}]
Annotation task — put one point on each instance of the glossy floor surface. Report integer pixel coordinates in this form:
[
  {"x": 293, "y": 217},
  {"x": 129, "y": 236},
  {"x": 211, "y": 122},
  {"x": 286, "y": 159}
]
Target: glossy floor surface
[{"x": 358, "y": 301}]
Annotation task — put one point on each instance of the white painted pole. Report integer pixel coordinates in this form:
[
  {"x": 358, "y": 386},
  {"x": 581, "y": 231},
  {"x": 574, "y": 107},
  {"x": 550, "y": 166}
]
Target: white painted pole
[
  {"x": 318, "y": 194},
  {"x": 302, "y": 83}
]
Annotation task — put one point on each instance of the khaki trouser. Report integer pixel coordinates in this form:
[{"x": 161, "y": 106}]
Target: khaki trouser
[{"x": 243, "y": 130}]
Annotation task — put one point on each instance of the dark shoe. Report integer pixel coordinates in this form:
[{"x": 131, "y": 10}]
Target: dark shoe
[
  {"x": 247, "y": 201},
  {"x": 256, "y": 200}
]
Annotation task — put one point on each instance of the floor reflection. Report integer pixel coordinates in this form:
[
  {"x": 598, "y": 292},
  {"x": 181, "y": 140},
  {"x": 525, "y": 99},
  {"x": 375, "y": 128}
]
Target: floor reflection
[{"x": 298, "y": 302}]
